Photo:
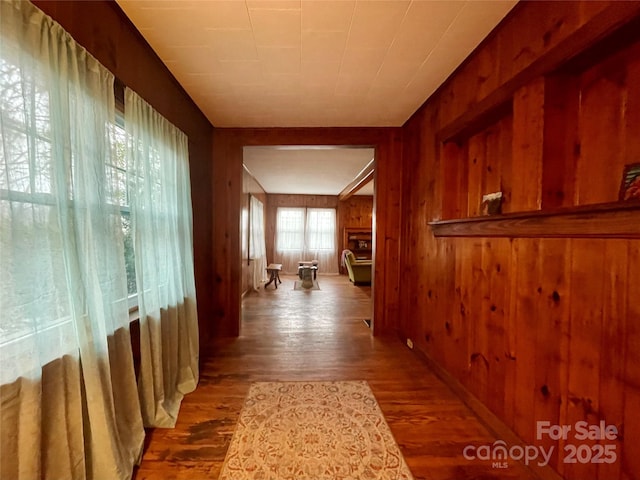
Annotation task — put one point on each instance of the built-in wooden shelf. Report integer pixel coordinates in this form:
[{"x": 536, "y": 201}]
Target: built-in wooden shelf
[
  {"x": 359, "y": 241},
  {"x": 603, "y": 220}
]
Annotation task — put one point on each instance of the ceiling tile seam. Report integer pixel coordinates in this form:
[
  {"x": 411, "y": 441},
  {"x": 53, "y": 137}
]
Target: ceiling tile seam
[
  {"x": 300, "y": 58},
  {"x": 344, "y": 48},
  {"x": 253, "y": 34},
  {"x": 395, "y": 36},
  {"x": 275, "y": 9},
  {"x": 435, "y": 47}
]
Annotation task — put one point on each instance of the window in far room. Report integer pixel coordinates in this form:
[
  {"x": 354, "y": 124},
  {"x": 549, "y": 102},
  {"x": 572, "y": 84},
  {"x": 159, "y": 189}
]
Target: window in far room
[
  {"x": 304, "y": 234},
  {"x": 290, "y": 229},
  {"x": 321, "y": 229}
]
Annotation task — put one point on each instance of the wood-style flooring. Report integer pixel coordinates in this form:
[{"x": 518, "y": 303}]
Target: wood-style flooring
[{"x": 320, "y": 335}]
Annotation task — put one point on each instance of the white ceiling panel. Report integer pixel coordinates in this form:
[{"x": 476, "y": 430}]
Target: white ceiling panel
[
  {"x": 385, "y": 50},
  {"x": 297, "y": 63},
  {"x": 312, "y": 170}
]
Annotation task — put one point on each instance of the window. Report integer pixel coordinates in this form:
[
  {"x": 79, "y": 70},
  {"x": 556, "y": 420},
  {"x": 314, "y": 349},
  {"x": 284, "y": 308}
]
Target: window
[
  {"x": 306, "y": 229},
  {"x": 290, "y": 229},
  {"x": 321, "y": 229},
  {"x": 119, "y": 198},
  {"x": 61, "y": 235},
  {"x": 306, "y": 234},
  {"x": 30, "y": 205}
]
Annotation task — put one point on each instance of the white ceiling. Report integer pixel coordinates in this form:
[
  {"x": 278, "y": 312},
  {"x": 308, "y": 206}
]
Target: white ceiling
[
  {"x": 308, "y": 63},
  {"x": 317, "y": 170}
]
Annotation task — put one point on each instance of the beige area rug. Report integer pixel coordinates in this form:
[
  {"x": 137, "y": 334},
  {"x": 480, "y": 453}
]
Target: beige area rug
[
  {"x": 313, "y": 431},
  {"x": 298, "y": 285}
]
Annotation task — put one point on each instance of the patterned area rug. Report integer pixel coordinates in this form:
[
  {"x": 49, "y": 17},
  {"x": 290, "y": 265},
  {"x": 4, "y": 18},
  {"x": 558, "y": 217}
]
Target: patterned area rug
[
  {"x": 313, "y": 431},
  {"x": 298, "y": 285}
]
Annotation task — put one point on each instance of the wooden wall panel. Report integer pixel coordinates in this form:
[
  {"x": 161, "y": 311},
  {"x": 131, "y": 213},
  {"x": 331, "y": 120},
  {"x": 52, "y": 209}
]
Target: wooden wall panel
[
  {"x": 561, "y": 146},
  {"x": 604, "y": 93},
  {"x": 105, "y": 31},
  {"x": 387, "y": 227},
  {"x": 496, "y": 255},
  {"x": 628, "y": 452},
  {"x": 552, "y": 339},
  {"x": 354, "y": 212},
  {"x": 528, "y": 128},
  {"x": 455, "y": 180},
  {"x": 586, "y": 319},
  {"x": 553, "y": 333},
  {"x": 476, "y": 176},
  {"x": 524, "y": 287},
  {"x": 613, "y": 341},
  {"x": 226, "y": 212}
]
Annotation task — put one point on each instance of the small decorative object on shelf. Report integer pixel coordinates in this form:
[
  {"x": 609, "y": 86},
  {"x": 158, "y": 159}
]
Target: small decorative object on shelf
[
  {"x": 630, "y": 185},
  {"x": 491, "y": 204}
]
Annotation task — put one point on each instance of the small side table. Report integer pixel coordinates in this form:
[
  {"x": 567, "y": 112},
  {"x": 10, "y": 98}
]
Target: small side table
[
  {"x": 312, "y": 263},
  {"x": 273, "y": 269}
]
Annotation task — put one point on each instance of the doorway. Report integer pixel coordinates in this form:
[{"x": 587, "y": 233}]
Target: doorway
[{"x": 308, "y": 186}]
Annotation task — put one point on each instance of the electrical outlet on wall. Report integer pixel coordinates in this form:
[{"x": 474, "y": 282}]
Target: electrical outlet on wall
[{"x": 409, "y": 343}]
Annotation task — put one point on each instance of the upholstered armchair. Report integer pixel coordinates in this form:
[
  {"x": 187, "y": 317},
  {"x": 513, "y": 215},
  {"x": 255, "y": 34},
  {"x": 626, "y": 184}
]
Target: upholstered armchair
[{"x": 359, "y": 270}]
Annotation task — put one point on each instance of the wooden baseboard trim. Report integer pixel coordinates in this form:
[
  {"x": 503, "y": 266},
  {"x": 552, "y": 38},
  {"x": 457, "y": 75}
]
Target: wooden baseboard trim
[{"x": 496, "y": 426}]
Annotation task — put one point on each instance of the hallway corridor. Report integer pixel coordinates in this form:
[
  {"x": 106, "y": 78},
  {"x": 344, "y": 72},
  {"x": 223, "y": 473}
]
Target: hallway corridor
[{"x": 320, "y": 335}]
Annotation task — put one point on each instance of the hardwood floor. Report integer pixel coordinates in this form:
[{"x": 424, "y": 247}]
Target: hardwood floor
[{"x": 320, "y": 335}]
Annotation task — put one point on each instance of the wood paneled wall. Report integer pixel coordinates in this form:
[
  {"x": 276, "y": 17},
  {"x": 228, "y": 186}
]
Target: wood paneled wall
[
  {"x": 355, "y": 211},
  {"x": 546, "y": 110},
  {"x": 104, "y": 30},
  {"x": 227, "y": 191}
]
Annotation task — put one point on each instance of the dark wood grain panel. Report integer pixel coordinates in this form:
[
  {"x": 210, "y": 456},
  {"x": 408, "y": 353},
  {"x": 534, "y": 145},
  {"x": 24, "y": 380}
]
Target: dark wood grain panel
[
  {"x": 628, "y": 453},
  {"x": 528, "y": 132},
  {"x": 552, "y": 34},
  {"x": 476, "y": 176},
  {"x": 552, "y": 340},
  {"x": 496, "y": 255},
  {"x": 565, "y": 70},
  {"x": 585, "y": 331},
  {"x": 454, "y": 179},
  {"x": 525, "y": 285},
  {"x": 613, "y": 348},
  {"x": 561, "y": 146}
]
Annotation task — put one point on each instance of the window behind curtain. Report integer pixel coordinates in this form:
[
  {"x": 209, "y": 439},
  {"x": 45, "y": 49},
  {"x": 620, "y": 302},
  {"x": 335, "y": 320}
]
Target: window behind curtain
[
  {"x": 306, "y": 234},
  {"x": 321, "y": 229},
  {"x": 66, "y": 371},
  {"x": 290, "y": 229}
]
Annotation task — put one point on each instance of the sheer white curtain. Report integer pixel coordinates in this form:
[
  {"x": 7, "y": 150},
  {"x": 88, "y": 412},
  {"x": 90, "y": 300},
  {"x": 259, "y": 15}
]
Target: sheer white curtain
[
  {"x": 160, "y": 200},
  {"x": 306, "y": 234},
  {"x": 63, "y": 289},
  {"x": 257, "y": 244},
  {"x": 320, "y": 239},
  {"x": 289, "y": 238}
]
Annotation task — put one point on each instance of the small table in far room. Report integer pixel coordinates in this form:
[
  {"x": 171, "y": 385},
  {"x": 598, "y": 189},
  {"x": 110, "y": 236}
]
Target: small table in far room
[
  {"x": 313, "y": 265},
  {"x": 273, "y": 269}
]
